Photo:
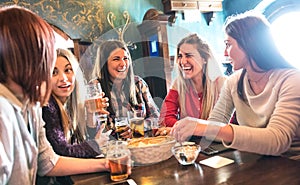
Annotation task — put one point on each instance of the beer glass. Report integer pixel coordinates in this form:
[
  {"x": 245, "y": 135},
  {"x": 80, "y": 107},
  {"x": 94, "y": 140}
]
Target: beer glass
[
  {"x": 154, "y": 126},
  {"x": 136, "y": 119},
  {"x": 118, "y": 156},
  {"x": 121, "y": 125},
  {"x": 94, "y": 103}
]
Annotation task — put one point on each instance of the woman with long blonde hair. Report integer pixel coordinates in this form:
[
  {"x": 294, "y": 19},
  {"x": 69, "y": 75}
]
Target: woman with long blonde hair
[
  {"x": 65, "y": 113},
  {"x": 196, "y": 89}
]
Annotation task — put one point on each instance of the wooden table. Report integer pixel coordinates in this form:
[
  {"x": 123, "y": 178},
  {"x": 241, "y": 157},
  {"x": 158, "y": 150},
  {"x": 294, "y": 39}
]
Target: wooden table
[{"x": 247, "y": 169}]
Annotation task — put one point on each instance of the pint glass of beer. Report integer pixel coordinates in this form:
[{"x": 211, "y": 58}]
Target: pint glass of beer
[
  {"x": 118, "y": 156},
  {"x": 94, "y": 104},
  {"x": 93, "y": 97}
]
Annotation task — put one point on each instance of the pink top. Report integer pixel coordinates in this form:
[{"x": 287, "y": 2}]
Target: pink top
[{"x": 170, "y": 111}]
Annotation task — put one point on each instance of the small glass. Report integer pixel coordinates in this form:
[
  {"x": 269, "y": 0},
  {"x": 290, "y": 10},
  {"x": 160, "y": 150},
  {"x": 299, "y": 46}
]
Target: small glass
[
  {"x": 136, "y": 119},
  {"x": 187, "y": 153},
  {"x": 100, "y": 119},
  {"x": 118, "y": 156},
  {"x": 151, "y": 126},
  {"x": 154, "y": 126},
  {"x": 121, "y": 125}
]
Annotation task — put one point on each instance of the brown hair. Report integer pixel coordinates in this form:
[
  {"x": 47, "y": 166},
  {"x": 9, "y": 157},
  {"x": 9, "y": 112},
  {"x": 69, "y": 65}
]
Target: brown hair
[
  {"x": 246, "y": 28},
  {"x": 101, "y": 72},
  {"x": 26, "y": 52}
]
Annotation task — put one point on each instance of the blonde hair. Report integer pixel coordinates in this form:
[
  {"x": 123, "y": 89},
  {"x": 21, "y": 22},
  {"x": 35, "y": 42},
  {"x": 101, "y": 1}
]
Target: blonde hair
[
  {"x": 211, "y": 73},
  {"x": 73, "y": 114}
]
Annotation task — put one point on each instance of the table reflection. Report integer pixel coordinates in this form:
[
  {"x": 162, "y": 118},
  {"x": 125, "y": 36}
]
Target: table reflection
[{"x": 248, "y": 168}]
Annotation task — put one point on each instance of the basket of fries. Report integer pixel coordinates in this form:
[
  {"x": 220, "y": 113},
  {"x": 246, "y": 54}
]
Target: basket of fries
[{"x": 151, "y": 150}]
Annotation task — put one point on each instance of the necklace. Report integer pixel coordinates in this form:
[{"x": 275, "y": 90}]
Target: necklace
[
  {"x": 259, "y": 79},
  {"x": 258, "y": 85}
]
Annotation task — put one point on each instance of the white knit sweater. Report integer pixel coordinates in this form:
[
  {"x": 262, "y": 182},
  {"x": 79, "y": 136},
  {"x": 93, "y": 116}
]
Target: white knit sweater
[{"x": 268, "y": 122}]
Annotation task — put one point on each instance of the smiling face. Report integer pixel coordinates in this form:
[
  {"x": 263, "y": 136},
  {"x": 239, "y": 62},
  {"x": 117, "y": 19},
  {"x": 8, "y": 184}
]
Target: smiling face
[
  {"x": 63, "y": 79},
  {"x": 117, "y": 64},
  {"x": 190, "y": 61},
  {"x": 235, "y": 54}
]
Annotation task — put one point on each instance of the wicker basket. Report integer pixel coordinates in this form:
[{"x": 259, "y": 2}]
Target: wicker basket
[{"x": 154, "y": 153}]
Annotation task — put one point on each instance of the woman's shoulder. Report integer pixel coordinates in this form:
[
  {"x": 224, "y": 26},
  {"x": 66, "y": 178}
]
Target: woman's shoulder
[
  {"x": 221, "y": 79},
  {"x": 286, "y": 72},
  {"x": 52, "y": 106},
  {"x": 291, "y": 75},
  {"x": 6, "y": 106},
  {"x": 140, "y": 80},
  {"x": 232, "y": 80},
  {"x": 220, "y": 82},
  {"x": 8, "y": 98}
]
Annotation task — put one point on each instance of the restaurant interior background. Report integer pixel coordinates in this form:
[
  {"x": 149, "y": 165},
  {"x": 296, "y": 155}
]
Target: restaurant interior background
[{"x": 155, "y": 27}]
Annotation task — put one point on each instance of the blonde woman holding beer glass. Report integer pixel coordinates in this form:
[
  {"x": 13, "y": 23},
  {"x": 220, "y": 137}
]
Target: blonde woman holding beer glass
[
  {"x": 126, "y": 91},
  {"x": 65, "y": 113}
]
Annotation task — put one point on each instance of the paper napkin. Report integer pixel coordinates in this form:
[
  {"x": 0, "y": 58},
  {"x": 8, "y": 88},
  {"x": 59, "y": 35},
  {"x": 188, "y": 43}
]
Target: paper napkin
[{"x": 216, "y": 161}]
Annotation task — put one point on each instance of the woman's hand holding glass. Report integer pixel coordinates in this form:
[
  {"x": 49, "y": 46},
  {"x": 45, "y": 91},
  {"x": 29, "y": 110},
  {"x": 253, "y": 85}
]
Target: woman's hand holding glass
[
  {"x": 122, "y": 126},
  {"x": 102, "y": 104},
  {"x": 96, "y": 104},
  {"x": 127, "y": 134}
]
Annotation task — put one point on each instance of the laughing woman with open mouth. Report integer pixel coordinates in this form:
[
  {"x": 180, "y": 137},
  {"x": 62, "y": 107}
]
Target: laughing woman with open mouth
[
  {"x": 126, "y": 91},
  {"x": 196, "y": 89}
]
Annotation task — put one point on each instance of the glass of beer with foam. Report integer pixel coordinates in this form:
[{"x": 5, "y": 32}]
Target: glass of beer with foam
[
  {"x": 118, "y": 156},
  {"x": 94, "y": 104}
]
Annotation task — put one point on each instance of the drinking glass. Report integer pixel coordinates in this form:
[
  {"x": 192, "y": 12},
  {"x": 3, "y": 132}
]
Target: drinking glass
[
  {"x": 154, "y": 126},
  {"x": 151, "y": 126},
  {"x": 93, "y": 97},
  {"x": 94, "y": 103},
  {"x": 121, "y": 125},
  {"x": 136, "y": 119},
  {"x": 118, "y": 156},
  {"x": 100, "y": 119}
]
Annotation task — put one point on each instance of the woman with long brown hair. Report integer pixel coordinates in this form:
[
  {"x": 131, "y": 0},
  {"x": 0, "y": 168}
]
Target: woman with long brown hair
[{"x": 263, "y": 91}]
